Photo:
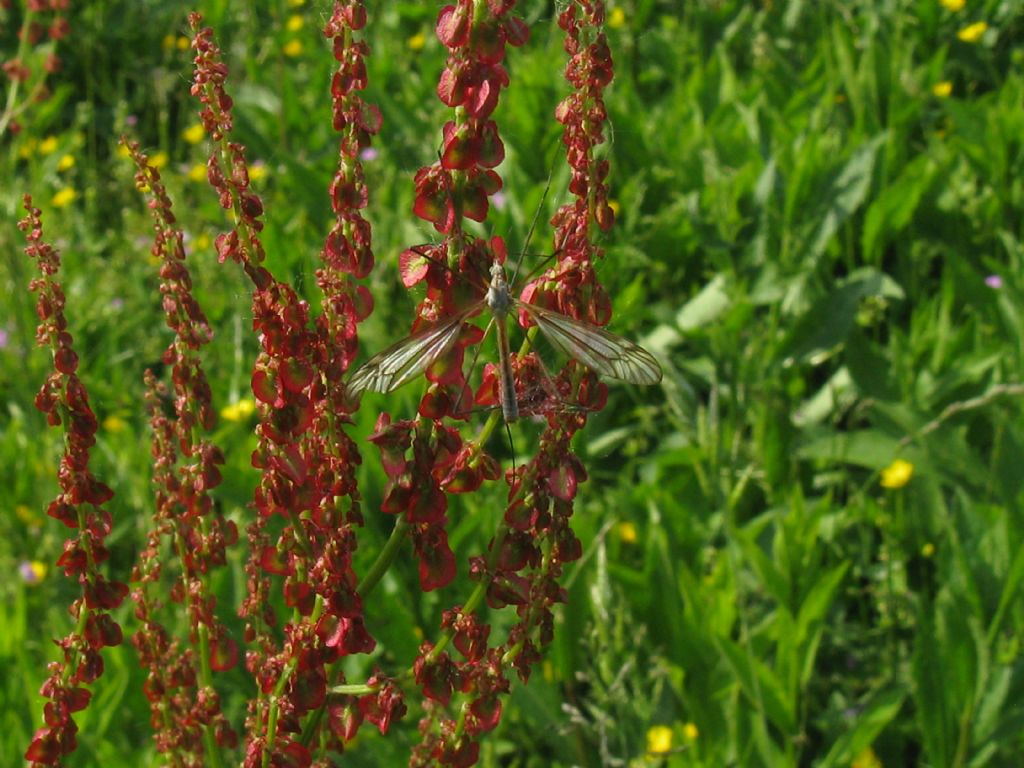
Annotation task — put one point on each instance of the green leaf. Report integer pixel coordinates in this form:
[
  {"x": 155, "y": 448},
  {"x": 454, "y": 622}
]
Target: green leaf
[
  {"x": 705, "y": 307},
  {"x": 818, "y": 601},
  {"x": 877, "y": 714},
  {"x": 845, "y": 195},
  {"x": 869, "y": 448},
  {"x": 759, "y": 684},
  {"x": 930, "y": 691},
  {"x": 869, "y": 369},
  {"x": 892, "y": 209},
  {"x": 826, "y": 325}
]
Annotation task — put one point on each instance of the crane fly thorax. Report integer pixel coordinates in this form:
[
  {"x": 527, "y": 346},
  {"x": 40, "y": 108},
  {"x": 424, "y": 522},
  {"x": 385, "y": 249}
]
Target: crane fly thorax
[{"x": 498, "y": 298}]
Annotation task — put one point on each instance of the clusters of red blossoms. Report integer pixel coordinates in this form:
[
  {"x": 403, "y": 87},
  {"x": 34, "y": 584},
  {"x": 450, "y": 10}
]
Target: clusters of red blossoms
[
  {"x": 43, "y": 20},
  {"x": 457, "y": 186},
  {"x": 182, "y": 698},
  {"x": 307, "y": 464},
  {"x": 525, "y": 560},
  {"x": 303, "y": 535},
  {"x": 79, "y": 505}
]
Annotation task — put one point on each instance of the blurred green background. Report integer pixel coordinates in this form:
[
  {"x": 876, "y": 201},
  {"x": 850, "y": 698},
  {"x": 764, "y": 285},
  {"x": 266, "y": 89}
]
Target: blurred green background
[{"x": 804, "y": 548}]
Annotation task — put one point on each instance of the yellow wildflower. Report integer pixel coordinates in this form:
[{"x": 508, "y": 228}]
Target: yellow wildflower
[
  {"x": 866, "y": 759},
  {"x": 690, "y": 732},
  {"x": 293, "y": 48},
  {"x": 194, "y": 133},
  {"x": 953, "y": 5},
  {"x": 64, "y": 196},
  {"x": 617, "y": 18},
  {"x": 32, "y": 572},
  {"x": 66, "y": 162},
  {"x": 928, "y": 550},
  {"x": 897, "y": 474},
  {"x": 238, "y": 411},
  {"x": 48, "y": 145},
  {"x": 294, "y": 23},
  {"x": 659, "y": 740},
  {"x": 26, "y": 515},
  {"x": 417, "y": 42},
  {"x": 197, "y": 173},
  {"x": 627, "y": 532},
  {"x": 973, "y": 32},
  {"x": 202, "y": 242},
  {"x": 296, "y": 3},
  {"x": 183, "y": 43},
  {"x": 942, "y": 89},
  {"x": 258, "y": 171},
  {"x": 122, "y": 151},
  {"x": 168, "y": 42},
  {"x": 28, "y": 148},
  {"x": 159, "y": 160},
  {"x": 114, "y": 424}
]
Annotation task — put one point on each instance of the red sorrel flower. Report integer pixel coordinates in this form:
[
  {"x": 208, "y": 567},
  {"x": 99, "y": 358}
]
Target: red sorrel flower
[
  {"x": 307, "y": 510},
  {"x": 79, "y": 505},
  {"x": 179, "y": 685}
]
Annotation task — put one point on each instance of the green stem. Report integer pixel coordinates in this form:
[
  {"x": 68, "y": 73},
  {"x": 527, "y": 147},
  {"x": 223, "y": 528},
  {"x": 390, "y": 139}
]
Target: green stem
[{"x": 384, "y": 559}]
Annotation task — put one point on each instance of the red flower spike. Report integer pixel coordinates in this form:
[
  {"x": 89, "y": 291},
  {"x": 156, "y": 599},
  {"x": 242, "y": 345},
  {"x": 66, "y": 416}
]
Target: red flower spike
[
  {"x": 296, "y": 374},
  {"x": 435, "y": 677},
  {"x": 492, "y": 149},
  {"x": 486, "y": 712},
  {"x": 517, "y": 551},
  {"x": 46, "y": 747},
  {"x": 562, "y": 482},
  {"x": 223, "y": 654},
  {"x": 290, "y": 754},
  {"x": 309, "y": 690},
  {"x": 471, "y": 637},
  {"x": 433, "y": 200},
  {"x": 103, "y": 594},
  {"x": 508, "y": 589},
  {"x": 272, "y": 560},
  {"x": 428, "y": 505},
  {"x": 413, "y": 267},
  {"x": 264, "y": 387},
  {"x": 453, "y": 25},
  {"x": 398, "y": 498},
  {"x": 383, "y": 707},
  {"x": 437, "y": 561},
  {"x": 348, "y": 635},
  {"x": 345, "y": 720},
  {"x": 101, "y": 631},
  {"x": 568, "y": 547}
]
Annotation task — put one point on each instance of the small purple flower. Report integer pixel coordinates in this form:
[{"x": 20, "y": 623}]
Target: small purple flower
[
  {"x": 994, "y": 282},
  {"x": 117, "y": 303},
  {"x": 368, "y": 154},
  {"x": 131, "y": 120},
  {"x": 498, "y": 200},
  {"x": 5, "y": 338}
]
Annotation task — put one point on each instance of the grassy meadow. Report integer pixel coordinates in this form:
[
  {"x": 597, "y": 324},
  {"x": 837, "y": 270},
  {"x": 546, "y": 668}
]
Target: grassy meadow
[{"x": 804, "y": 548}]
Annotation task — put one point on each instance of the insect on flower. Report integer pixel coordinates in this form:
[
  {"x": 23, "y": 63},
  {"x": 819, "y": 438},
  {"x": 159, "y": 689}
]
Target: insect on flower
[{"x": 598, "y": 349}]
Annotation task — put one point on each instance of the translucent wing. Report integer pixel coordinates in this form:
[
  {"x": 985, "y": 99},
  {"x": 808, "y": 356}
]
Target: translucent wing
[
  {"x": 406, "y": 359},
  {"x": 604, "y": 352}
]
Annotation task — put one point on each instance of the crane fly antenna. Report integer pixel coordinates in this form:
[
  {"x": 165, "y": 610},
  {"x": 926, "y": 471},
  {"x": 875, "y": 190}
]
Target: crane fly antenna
[{"x": 533, "y": 224}]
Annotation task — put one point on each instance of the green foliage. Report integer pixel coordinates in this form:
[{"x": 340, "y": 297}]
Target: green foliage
[{"x": 824, "y": 251}]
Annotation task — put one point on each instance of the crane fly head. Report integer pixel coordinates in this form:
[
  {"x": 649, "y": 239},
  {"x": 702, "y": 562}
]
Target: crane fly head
[{"x": 497, "y": 272}]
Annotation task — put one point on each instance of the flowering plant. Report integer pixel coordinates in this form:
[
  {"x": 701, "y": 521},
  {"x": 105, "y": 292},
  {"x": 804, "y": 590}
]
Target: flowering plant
[{"x": 304, "y": 607}]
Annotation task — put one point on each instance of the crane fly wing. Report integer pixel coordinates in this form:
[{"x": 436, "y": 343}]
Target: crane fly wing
[
  {"x": 406, "y": 359},
  {"x": 596, "y": 348}
]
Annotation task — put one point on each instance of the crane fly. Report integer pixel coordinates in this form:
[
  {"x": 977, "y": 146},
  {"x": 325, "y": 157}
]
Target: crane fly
[{"x": 598, "y": 349}]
